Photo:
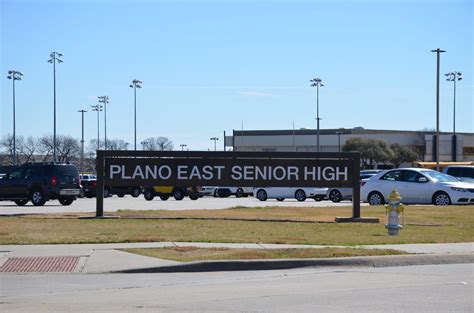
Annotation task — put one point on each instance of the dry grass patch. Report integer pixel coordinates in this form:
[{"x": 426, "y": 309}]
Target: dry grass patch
[
  {"x": 424, "y": 224},
  {"x": 189, "y": 254}
]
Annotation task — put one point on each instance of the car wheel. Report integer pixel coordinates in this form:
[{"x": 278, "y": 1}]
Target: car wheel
[
  {"x": 164, "y": 197},
  {"x": 148, "y": 195},
  {"x": 107, "y": 193},
  {"x": 262, "y": 195},
  {"x": 66, "y": 200},
  {"x": 441, "y": 198},
  {"x": 178, "y": 194},
  {"x": 37, "y": 197},
  {"x": 300, "y": 195},
  {"x": 239, "y": 193},
  {"x": 136, "y": 192},
  {"x": 280, "y": 199},
  {"x": 21, "y": 202},
  {"x": 375, "y": 198},
  {"x": 193, "y": 197},
  {"x": 120, "y": 195},
  {"x": 335, "y": 195}
]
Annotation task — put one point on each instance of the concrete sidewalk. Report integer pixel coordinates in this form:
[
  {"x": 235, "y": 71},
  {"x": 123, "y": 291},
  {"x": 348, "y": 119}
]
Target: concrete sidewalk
[{"x": 105, "y": 258}]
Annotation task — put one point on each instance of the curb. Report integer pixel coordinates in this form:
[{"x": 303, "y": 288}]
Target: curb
[{"x": 262, "y": 265}]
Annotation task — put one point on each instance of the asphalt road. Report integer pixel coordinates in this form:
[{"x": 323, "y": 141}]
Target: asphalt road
[
  {"x": 429, "y": 288},
  {"x": 115, "y": 203}
]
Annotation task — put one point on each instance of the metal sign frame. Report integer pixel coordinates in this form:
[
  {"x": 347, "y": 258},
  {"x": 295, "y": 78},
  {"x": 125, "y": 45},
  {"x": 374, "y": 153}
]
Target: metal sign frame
[{"x": 116, "y": 162}]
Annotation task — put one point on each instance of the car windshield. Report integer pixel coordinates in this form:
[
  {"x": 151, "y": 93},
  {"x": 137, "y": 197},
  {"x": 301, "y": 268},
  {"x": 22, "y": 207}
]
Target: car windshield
[{"x": 440, "y": 177}]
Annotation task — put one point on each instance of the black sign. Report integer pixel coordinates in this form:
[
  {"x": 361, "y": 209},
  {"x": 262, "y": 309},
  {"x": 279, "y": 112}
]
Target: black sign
[
  {"x": 243, "y": 172},
  {"x": 238, "y": 169}
]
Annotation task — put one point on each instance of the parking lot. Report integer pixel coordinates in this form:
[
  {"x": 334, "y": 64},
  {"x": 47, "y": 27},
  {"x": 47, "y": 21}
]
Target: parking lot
[{"x": 129, "y": 203}]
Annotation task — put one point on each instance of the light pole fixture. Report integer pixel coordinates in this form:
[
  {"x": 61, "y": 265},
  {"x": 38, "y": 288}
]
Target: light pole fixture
[
  {"x": 144, "y": 143},
  {"x": 135, "y": 84},
  {"x": 104, "y": 100},
  {"x": 183, "y": 145},
  {"x": 55, "y": 57},
  {"x": 339, "y": 133},
  {"x": 82, "y": 140},
  {"x": 453, "y": 77},
  {"x": 97, "y": 108},
  {"x": 438, "y": 52},
  {"x": 317, "y": 82},
  {"x": 14, "y": 75},
  {"x": 215, "y": 142}
]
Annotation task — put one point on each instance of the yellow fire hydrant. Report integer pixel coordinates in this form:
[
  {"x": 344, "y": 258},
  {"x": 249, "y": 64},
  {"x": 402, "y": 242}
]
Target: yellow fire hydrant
[{"x": 394, "y": 209}]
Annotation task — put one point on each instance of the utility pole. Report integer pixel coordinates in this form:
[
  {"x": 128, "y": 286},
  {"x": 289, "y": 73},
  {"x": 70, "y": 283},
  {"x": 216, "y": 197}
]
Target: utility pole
[
  {"x": 438, "y": 52},
  {"x": 104, "y": 100},
  {"x": 82, "y": 141},
  {"x": 14, "y": 75},
  {"x": 215, "y": 141},
  {"x": 55, "y": 56},
  {"x": 135, "y": 84},
  {"x": 317, "y": 82}
]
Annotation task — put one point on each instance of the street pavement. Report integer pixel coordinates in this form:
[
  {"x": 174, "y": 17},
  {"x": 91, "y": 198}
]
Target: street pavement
[
  {"x": 86, "y": 205},
  {"x": 429, "y": 288}
]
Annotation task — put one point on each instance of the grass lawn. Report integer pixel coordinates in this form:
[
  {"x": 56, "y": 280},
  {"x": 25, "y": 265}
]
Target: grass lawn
[
  {"x": 189, "y": 254},
  {"x": 423, "y": 224}
]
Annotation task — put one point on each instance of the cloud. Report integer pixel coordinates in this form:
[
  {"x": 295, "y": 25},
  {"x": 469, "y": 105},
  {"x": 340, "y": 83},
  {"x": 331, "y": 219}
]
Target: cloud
[{"x": 255, "y": 94}]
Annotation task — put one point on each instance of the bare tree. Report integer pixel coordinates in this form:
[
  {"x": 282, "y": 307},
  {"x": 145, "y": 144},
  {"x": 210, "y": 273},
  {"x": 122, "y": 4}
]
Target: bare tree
[
  {"x": 117, "y": 144},
  {"x": 68, "y": 148},
  {"x": 157, "y": 144},
  {"x": 29, "y": 149},
  {"x": 46, "y": 146}
]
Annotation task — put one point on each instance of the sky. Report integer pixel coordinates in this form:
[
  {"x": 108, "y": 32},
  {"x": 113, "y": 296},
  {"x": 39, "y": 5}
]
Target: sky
[{"x": 214, "y": 66}]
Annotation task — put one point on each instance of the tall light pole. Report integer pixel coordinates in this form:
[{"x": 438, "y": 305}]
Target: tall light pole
[
  {"x": 55, "y": 57},
  {"x": 135, "y": 84},
  {"x": 453, "y": 77},
  {"x": 438, "y": 52},
  {"x": 82, "y": 140},
  {"x": 215, "y": 141},
  {"x": 97, "y": 108},
  {"x": 183, "y": 145},
  {"x": 339, "y": 133},
  {"x": 104, "y": 100},
  {"x": 317, "y": 82},
  {"x": 14, "y": 75}
]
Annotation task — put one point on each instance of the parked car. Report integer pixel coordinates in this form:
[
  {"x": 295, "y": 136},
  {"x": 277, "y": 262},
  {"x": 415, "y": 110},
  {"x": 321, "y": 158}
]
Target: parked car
[
  {"x": 121, "y": 191},
  {"x": 417, "y": 186},
  {"x": 164, "y": 192},
  {"x": 209, "y": 191},
  {"x": 336, "y": 194},
  {"x": 89, "y": 185},
  {"x": 40, "y": 182},
  {"x": 233, "y": 191},
  {"x": 462, "y": 172},
  {"x": 281, "y": 193}
]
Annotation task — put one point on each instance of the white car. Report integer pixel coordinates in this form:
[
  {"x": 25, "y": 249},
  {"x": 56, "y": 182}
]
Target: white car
[
  {"x": 337, "y": 194},
  {"x": 282, "y": 193},
  {"x": 209, "y": 191},
  {"x": 418, "y": 186}
]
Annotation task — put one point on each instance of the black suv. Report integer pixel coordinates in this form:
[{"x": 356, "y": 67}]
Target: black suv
[{"x": 40, "y": 182}]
